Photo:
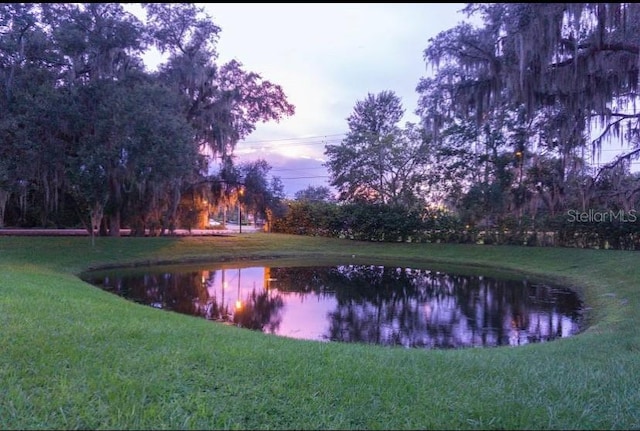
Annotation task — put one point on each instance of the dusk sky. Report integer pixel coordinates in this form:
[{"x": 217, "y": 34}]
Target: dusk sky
[{"x": 326, "y": 57}]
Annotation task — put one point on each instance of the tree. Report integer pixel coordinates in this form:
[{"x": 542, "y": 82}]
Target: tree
[
  {"x": 225, "y": 101},
  {"x": 94, "y": 40},
  {"x": 261, "y": 194},
  {"x": 378, "y": 161},
  {"x": 82, "y": 121},
  {"x": 88, "y": 47},
  {"x": 30, "y": 153},
  {"x": 523, "y": 88},
  {"x": 134, "y": 148},
  {"x": 580, "y": 57},
  {"x": 315, "y": 194}
]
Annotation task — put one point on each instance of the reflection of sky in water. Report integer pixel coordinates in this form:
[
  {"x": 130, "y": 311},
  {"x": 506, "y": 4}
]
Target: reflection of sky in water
[
  {"x": 231, "y": 285},
  {"x": 371, "y": 304},
  {"x": 305, "y": 316}
]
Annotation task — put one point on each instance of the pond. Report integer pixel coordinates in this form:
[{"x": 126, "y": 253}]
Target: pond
[{"x": 364, "y": 303}]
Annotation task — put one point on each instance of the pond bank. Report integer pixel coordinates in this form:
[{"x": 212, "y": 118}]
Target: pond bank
[{"x": 230, "y": 229}]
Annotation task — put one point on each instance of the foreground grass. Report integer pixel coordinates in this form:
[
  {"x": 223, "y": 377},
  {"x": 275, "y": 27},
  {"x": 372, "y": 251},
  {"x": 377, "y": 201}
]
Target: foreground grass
[{"x": 73, "y": 356}]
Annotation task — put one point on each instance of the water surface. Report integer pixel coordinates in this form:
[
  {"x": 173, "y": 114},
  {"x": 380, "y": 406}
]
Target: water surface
[{"x": 364, "y": 303}]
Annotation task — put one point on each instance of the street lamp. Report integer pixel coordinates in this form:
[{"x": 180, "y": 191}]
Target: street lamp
[{"x": 240, "y": 194}]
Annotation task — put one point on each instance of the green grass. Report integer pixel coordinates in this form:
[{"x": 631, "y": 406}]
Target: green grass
[{"x": 73, "y": 356}]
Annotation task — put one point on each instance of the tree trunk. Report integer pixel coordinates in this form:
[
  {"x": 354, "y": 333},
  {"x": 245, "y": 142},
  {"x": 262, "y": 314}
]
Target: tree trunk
[
  {"x": 116, "y": 199},
  {"x": 4, "y": 198},
  {"x": 96, "y": 220},
  {"x": 114, "y": 223}
]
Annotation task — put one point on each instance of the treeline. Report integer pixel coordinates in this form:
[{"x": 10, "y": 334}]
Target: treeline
[
  {"x": 90, "y": 137},
  {"x": 514, "y": 120},
  {"x": 393, "y": 223},
  {"x": 505, "y": 151}
]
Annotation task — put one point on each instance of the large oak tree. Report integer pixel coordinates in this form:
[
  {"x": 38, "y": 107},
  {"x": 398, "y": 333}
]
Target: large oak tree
[
  {"x": 554, "y": 80},
  {"x": 84, "y": 123}
]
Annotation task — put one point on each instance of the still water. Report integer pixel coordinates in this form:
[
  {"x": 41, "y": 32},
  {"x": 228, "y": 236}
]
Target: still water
[{"x": 385, "y": 305}]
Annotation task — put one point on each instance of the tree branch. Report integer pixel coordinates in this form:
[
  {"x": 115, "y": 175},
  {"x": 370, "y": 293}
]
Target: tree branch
[
  {"x": 606, "y": 130},
  {"x": 617, "y": 161},
  {"x": 590, "y": 50}
]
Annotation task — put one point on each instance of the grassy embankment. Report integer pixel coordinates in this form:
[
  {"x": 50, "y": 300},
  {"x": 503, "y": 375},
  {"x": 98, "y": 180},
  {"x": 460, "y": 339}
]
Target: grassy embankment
[{"x": 74, "y": 356}]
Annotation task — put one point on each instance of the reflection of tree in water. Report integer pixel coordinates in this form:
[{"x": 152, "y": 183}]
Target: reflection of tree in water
[
  {"x": 181, "y": 292},
  {"x": 261, "y": 311},
  {"x": 423, "y": 308},
  {"x": 187, "y": 293}
]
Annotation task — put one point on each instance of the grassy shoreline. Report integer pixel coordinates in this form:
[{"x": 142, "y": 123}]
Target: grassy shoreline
[{"x": 73, "y": 356}]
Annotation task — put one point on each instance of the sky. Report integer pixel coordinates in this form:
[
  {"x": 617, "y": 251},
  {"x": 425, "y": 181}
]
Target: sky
[{"x": 326, "y": 57}]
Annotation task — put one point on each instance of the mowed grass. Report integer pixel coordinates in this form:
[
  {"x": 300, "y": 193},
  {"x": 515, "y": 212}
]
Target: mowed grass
[{"x": 73, "y": 356}]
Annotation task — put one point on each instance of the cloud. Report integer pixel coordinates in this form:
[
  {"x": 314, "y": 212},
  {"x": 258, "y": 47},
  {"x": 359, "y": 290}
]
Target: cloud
[
  {"x": 328, "y": 56},
  {"x": 296, "y": 173}
]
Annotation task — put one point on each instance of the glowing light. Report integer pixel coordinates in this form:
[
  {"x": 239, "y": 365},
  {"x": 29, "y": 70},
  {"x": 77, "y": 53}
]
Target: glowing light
[{"x": 238, "y": 305}]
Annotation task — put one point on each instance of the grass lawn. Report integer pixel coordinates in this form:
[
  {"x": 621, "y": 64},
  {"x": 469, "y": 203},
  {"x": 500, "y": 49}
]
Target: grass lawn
[{"x": 73, "y": 356}]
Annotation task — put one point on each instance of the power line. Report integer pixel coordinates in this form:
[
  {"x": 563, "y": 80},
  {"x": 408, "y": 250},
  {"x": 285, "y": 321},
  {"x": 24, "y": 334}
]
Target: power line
[
  {"x": 276, "y": 145},
  {"x": 296, "y": 169},
  {"x": 292, "y": 139},
  {"x": 300, "y": 178}
]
